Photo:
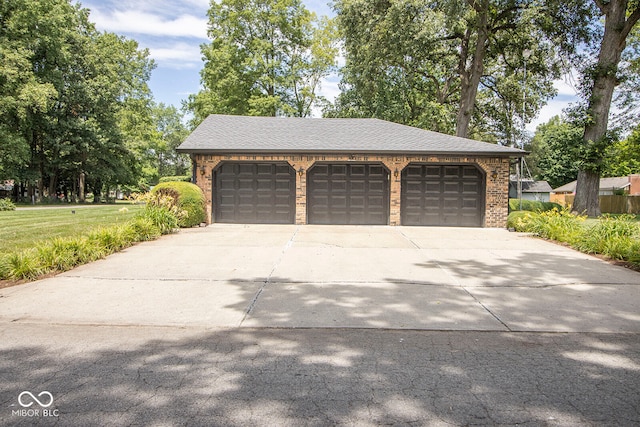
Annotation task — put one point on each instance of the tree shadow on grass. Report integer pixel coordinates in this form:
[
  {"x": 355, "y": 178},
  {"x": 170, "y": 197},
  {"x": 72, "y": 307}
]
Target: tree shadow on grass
[{"x": 166, "y": 376}]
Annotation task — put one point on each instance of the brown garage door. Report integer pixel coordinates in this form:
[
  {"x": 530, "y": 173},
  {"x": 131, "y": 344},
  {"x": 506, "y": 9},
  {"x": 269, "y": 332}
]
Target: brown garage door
[
  {"x": 348, "y": 194},
  {"x": 254, "y": 193},
  {"x": 444, "y": 195}
]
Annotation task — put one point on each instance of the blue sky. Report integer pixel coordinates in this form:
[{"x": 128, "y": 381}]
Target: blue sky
[{"x": 173, "y": 31}]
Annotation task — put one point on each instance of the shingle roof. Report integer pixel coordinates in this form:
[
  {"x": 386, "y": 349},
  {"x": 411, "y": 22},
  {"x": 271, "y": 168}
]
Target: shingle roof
[
  {"x": 241, "y": 134},
  {"x": 614, "y": 183},
  {"x": 532, "y": 186}
]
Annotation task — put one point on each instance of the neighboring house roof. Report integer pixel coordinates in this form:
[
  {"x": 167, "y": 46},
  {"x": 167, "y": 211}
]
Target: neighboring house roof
[
  {"x": 532, "y": 186},
  {"x": 242, "y": 134},
  {"x": 614, "y": 183}
]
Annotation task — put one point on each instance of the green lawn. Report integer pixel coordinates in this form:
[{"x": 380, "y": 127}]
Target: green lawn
[
  {"x": 592, "y": 221},
  {"x": 23, "y": 228}
]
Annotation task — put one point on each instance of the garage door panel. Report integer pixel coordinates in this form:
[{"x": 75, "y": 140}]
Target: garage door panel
[
  {"x": 451, "y": 187},
  {"x": 358, "y": 170},
  {"x": 338, "y": 186},
  {"x": 358, "y": 194},
  {"x": 358, "y": 186},
  {"x": 357, "y": 202},
  {"x": 444, "y": 195},
  {"x": 246, "y": 169},
  {"x": 337, "y": 201},
  {"x": 432, "y": 187},
  {"x": 470, "y": 188},
  {"x": 471, "y": 172},
  {"x": 254, "y": 192},
  {"x": 337, "y": 170}
]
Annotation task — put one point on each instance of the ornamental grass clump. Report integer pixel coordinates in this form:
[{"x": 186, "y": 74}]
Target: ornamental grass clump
[
  {"x": 617, "y": 237},
  {"x": 188, "y": 198},
  {"x": 62, "y": 254},
  {"x": 7, "y": 205},
  {"x": 162, "y": 211},
  {"x": 24, "y": 265},
  {"x": 160, "y": 216},
  {"x": 557, "y": 224}
]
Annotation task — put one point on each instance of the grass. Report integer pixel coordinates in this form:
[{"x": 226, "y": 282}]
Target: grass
[
  {"x": 24, "y": 229},
  {"x": 616, "y": 237},
  {"x": 57, "y": 243}
]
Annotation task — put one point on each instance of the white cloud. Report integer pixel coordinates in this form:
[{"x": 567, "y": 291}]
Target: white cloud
[
  {"x": 139, "y": 22},
  {"x": 178, "y": 55},
  {"x": 566, "y": 87},
  {"x": 553, "y": 108}
]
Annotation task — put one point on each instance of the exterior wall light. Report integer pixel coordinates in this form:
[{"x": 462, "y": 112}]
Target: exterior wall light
[
  {"x": 494, "y": 174},
  {"x": 396, "y": 173},
  {"x": 202, "y": 170},
  {"x": 300, "y": 172}
]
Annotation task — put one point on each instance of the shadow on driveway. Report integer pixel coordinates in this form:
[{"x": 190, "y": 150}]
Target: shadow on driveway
[{"x": 320, "y": 377}]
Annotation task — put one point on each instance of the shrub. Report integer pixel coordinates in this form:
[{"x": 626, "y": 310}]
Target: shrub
[
  {"x": 617, "y": 237},
  {"x": 182, "y": 178},
  {"x": 513, "y": 220},
  {"x": 533, "y": 206},
  {"x": 161, "y": 211},
  {"x": 24, "y": 265},
  {"x": 160, "y": 216},
  {"x": 7, "y": 205},
  {"x": 4, "y": 266},
  {"x": 144, "y": 229},
  {"x": 189, "y": 199},
  {"x": 556, "y": 224},
  {"x": 112, "y": 239}
]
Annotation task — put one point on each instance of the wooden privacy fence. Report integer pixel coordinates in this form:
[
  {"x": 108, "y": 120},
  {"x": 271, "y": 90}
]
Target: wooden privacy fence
[{"x": 610, "y": 204}]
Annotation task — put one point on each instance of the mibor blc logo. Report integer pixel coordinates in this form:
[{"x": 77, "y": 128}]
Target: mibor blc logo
[{"x": 42, "y": 401}]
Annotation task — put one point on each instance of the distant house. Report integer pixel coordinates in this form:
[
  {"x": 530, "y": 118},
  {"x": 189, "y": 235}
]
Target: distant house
[
  {"x": 608, "y": 186},
  {"x": 6, "y": 188},
  {"x": 539, "y": 191}
]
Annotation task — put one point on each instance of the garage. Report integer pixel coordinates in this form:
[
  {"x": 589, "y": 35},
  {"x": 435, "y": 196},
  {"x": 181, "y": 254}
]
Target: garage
[
  {"x": 442, "y": 195},
  {"x": 344, "y": 193},
  {"x": 254, "y": 193},
  {"x": 359, "y": 171}
]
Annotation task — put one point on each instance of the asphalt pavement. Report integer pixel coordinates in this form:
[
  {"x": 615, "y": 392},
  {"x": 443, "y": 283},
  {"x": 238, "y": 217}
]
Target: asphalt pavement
[{"x": 326, "y": 325}]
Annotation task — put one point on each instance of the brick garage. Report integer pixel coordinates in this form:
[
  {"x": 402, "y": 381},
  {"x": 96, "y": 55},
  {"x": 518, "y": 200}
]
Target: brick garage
[{"x": 346, "y": 171}]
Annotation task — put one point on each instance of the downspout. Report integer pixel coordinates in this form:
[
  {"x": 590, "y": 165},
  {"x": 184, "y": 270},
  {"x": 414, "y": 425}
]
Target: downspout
[{"x": 194, "y": 168}]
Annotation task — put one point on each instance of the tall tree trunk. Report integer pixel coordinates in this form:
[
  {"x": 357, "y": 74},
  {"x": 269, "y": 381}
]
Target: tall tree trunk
[
  {"x": 53, "y": 184},
  {"x": 616, "y": 29},
  {"x": 81, "y": 187},
  {"x": 470, "y": 77}
]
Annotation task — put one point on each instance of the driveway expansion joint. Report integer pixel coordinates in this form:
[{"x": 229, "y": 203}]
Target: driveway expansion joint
[{"x": 254, "y": 300}]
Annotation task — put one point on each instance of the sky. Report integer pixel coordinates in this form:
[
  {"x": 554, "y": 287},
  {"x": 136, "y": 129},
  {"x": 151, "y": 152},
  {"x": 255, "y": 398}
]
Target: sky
[{"x": 173, "y": 31}]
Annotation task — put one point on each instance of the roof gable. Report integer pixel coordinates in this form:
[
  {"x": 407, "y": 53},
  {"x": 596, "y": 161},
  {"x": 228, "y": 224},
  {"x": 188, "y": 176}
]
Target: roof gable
[
  {"x": 243, "y": 134},
  {"x": 614, "y": 183}
]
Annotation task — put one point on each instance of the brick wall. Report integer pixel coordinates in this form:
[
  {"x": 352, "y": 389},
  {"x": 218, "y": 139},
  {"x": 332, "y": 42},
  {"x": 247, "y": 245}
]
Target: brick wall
[
  {"x": 496, "y": 197},
  {"x": 634, "y": 188}
]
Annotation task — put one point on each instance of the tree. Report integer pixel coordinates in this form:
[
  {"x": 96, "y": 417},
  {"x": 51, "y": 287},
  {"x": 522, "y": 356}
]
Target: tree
[
  {"x": 553, "y": 151},
  {"x": 451, "y": 65},
  {"x": 623, "y": 157},
  {"x": 601, "y": 79},
  {"x": 171, "y": 130},
  {"x": 62, "y": 85},
  {"x": 265, "y": 58}
]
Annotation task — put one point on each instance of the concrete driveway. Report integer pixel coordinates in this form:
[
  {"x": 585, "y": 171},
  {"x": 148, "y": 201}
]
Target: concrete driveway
[{"x": 339, "y": 276}]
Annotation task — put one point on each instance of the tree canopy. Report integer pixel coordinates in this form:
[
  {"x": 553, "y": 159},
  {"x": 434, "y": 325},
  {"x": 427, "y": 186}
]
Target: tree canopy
[
  {"x": 75, "y": 107},
  {"x": 474, "y": 68},
  {"x": 265, "y": 58},
  {"x": 601, "y": 77},
  {"x": 553, "y": 151}
]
